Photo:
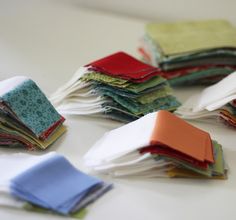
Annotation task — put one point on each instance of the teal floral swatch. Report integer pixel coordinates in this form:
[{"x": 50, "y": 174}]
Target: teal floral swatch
[{"x": 31, "y": 107}]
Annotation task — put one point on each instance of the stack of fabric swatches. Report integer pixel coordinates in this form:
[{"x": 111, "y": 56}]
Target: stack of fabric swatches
[
  {"x": 214, "y": 102},
  {"x": 159, "y": 144},
  {"x": 191, "y": 52},
  {"x": 48, "y": 184},
  {"x": 117, "y": 86},
  {"x": 27, "y": 118}
]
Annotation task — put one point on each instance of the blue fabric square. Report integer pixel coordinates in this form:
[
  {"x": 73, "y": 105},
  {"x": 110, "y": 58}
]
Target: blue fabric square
[{"x": 54, "y": 184}]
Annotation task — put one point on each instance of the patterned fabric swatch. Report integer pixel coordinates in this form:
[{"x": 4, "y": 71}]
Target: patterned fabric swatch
[{"x": 31, "y": 107}]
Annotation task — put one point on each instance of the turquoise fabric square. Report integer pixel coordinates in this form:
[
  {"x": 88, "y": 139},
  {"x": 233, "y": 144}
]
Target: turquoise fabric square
[{"x": 31, "y": 107}]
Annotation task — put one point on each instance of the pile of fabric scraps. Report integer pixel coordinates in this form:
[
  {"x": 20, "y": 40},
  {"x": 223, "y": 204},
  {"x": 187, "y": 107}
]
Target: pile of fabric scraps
[
  {"x": 27, "y": 118},
  {"x": 48, "y": 184},
  {"x": 118, "y": 87},
  {"x": 191, "y": 52},
  {"x": 160, "y": 145},
  {"x": 214, "y": 102}
]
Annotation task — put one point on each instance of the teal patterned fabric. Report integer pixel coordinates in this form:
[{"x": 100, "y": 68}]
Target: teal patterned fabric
[
  {"x": 31, "y": 107},
  {"x": 169, "y": 103}
]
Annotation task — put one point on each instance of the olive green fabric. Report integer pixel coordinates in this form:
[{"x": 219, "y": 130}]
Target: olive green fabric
[{"x": 188, "y": 36}]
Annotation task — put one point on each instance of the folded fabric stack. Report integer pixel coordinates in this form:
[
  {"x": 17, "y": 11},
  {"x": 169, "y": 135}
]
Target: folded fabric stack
[
  {"x": 160, "y": 145},
  {"x": 47, "y": 183},
  {"x": 214, "y": 102},
  {"x": 117, "y": 86},
  {"x": 27, "y": 118},
  {"x": 199, "y": 52}
]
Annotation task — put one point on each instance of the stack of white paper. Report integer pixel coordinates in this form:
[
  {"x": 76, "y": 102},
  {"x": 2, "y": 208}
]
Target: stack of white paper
[
  {"x": 117, "y": 153},
  {"x": 217, "y": 101},
  {"x": 157, "y": 145}
]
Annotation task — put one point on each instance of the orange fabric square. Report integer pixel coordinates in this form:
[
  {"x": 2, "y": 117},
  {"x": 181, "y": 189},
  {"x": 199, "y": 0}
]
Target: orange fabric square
[{"x": 179, "y": 135}]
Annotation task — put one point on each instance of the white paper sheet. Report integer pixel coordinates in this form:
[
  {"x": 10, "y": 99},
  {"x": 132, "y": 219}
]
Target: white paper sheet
[
  {"x": 9, "y": 84},
  {"x": 121, "y": 141}
]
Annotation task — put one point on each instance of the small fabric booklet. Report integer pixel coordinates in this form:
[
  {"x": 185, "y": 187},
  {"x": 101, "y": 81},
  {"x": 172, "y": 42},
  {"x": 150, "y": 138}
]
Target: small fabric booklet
[
  {"x": 27, "y": 118},
  {"x": 160, "y": 144},
  {"x": 118, "y": 87},
  {"x": 214, "y": 102},
  {"x": 47, "y": 184},
  {"x": 191, "y": 52}
]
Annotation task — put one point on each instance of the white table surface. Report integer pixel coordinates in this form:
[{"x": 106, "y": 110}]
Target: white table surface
[{"x": 48, "y": 41}]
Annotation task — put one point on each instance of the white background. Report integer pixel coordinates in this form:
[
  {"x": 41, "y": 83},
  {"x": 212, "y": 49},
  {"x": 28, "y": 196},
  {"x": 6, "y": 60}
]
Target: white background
[
  {"x": 49, "y": 40},
  {"x": 167, "y": 10}
]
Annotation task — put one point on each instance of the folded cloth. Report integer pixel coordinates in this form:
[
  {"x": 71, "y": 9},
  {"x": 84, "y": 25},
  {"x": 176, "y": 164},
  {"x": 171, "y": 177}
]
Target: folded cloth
[
  {"x": 184, "y": 46},
  {"x": 49, "y": 182},
  {"x": 160, "y": 144},
  {"x": 117, "y": 86},
  {"x": 216, "y": 101},
  {"x": 27, "y": 118}
]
